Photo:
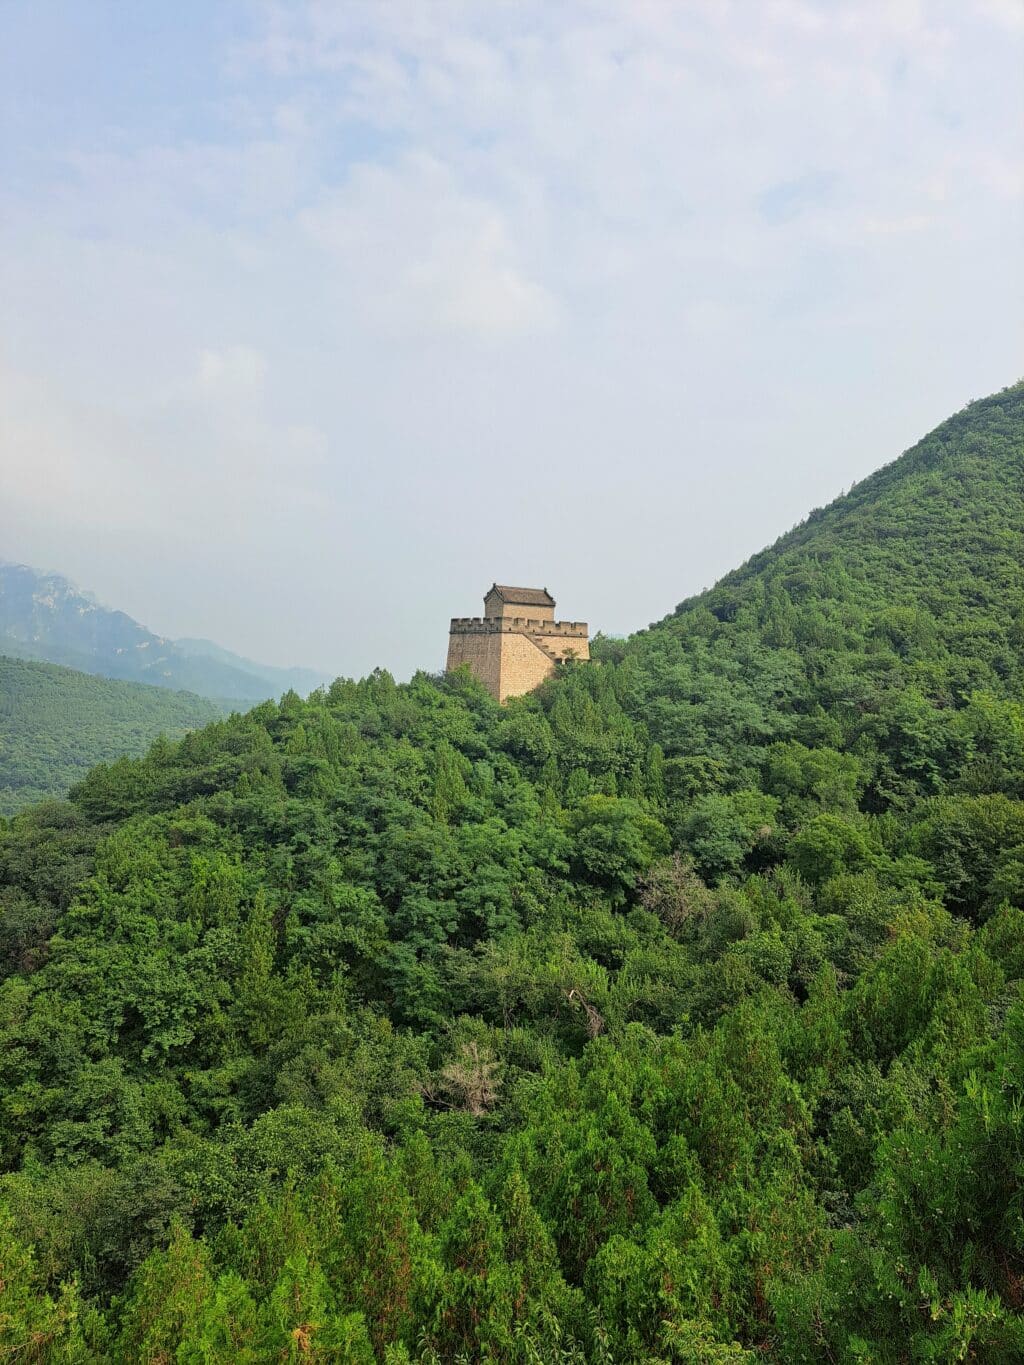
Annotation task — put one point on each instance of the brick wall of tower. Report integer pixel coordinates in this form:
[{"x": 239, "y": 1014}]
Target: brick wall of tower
[
  {"x": 482, "y": 652},
  {"x": 513, "y": 655},
  {"x": 523, "y": 666},
  {"x": 565, "y": 646},
  {"x": 507, "y": 663}
]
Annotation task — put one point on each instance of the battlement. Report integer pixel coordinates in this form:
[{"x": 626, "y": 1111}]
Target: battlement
[{"x": 494, "y": 625}]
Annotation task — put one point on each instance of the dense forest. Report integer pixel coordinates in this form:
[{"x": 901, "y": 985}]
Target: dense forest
[
  {"x": 56, "y": 724},
  {"x": 670, "y": 1014}
]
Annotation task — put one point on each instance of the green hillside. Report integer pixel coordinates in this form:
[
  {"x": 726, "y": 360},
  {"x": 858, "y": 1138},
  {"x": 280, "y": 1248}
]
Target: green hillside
[
  {"x": 56, "y": 724},
  {"x": 673, "y": 1013},
  {"x": 869, "y": 629}
]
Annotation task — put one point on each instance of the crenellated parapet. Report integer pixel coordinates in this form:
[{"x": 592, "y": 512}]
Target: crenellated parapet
[{"x": 495, "y": 625}]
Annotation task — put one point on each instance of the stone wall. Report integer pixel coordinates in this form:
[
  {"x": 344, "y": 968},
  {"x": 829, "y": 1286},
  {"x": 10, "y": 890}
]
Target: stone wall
[
  {"x": 482, "y": 651},
  {"x": 523, "y": 666},
  {"x": 564, "y": 645}
]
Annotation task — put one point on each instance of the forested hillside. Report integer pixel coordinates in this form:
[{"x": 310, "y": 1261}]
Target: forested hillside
[
  {"x": 672, "y": 1013},
  {"x": 56, "y": 724}
]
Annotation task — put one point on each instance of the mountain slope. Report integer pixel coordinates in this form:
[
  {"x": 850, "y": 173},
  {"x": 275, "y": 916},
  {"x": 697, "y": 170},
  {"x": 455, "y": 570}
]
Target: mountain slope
[
  {"x": 301, "y": 680},
  {"x": 884, "y": 611},
  {"x": 672, "y": 1013},
  {"x": 939, "y": 531},
  {"x": 43, "y": 616},
  {"x": 56, "y": 724}
]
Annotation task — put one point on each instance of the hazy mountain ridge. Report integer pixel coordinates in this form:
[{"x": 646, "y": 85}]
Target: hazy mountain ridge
[
  {"x": 45, "y": 616},
  {"x": 301, "y": 680}
]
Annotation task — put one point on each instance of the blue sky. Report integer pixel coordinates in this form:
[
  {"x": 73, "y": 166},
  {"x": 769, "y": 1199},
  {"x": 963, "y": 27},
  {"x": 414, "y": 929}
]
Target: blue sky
[{"x": 318, "y": 317}]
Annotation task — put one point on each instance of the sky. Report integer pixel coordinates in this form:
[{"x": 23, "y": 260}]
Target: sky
[{"x": 317, "y": 318}]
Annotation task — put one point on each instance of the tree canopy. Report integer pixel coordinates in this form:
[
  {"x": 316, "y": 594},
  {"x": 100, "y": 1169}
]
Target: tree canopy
[
  {"x": 671, "y": 1013},
  {"x": 56, "y": 724}
]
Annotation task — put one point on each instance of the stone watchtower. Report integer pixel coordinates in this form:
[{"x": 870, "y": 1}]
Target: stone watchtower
[{"x": 515, "y": 645}]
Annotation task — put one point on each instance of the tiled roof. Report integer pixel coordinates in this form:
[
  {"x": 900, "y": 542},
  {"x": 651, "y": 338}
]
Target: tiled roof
[{"x": 523, "y": 597}]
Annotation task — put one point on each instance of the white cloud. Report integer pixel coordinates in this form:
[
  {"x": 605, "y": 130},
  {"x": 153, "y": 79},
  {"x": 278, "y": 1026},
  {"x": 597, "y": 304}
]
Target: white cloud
[
  {"x": 690, "y": 266},
  {"x": 209, "y": 459},
  {"x": 1008, "y": 13},
  {"x": 63, "y": 461},
  {"x": 414, "y": 253},
  {"x": 235, "y": 369}
]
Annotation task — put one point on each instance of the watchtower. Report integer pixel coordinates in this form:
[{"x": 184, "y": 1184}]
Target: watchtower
[{"x": 517, "y": 642}]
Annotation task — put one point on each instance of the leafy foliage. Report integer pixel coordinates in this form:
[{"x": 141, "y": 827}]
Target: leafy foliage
[
  {"x": 56, "y": 724},
  {"x": 672, "y": 1013}
]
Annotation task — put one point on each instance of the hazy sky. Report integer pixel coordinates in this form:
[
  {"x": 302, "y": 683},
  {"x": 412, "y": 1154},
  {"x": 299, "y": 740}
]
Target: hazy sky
[{"x": 319, "y": 317}]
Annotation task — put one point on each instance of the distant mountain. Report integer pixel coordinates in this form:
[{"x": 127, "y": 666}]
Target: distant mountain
[
  {"x": 44, "y": 616},
  {"x": 56, "y": 724},
  {"x": 302, "y": 680}
]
